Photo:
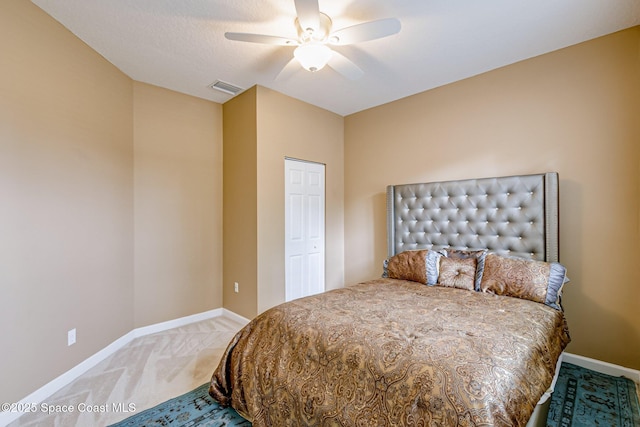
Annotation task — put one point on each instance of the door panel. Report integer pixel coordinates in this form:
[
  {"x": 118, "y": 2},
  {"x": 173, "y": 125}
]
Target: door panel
[
  {"x": 295, "y": 274},
  {"x": 296, "y": 220}
]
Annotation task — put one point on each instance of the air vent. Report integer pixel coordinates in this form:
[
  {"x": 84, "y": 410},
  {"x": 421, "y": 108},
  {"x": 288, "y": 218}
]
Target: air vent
[{"x": 226, "y": 87}]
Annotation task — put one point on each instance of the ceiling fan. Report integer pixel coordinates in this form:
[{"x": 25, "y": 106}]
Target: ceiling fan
[{"x": 315, "y": 35}]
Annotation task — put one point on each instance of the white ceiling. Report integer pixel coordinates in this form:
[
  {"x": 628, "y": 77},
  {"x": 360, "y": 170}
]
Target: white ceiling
[{"x": 180, "y": 44}]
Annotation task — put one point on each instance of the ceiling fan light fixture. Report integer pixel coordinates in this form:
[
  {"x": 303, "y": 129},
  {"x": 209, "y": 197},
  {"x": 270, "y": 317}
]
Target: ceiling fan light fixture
[
  {"x": 315, "y": 35},
  {"x": 313, "y": 56}
]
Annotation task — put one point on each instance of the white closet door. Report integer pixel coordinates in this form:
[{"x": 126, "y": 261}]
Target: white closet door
[{"x": 304, "y": 228}]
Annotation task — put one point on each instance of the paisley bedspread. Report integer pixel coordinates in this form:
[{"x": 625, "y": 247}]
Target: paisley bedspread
[{"x": 393, "y": 353}]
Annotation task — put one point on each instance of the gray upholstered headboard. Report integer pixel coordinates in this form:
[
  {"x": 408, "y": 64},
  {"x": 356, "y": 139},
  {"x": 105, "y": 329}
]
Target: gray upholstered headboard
[{"x": 513, "y": 215}]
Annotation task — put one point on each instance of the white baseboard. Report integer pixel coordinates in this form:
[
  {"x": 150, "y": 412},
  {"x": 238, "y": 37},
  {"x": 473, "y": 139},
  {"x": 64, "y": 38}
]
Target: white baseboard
[
  {"x": 603, "y": 367},
  {"x": 58, "y": 383},
  {"x": 175, "y": 323},
  {"x": 233, "y": 316}
]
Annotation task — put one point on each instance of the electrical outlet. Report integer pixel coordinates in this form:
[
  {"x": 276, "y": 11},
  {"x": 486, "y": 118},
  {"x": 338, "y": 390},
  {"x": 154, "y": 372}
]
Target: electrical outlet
[
  {"x": 71, "y": 337},
  {"x": 236, "y": 287}
]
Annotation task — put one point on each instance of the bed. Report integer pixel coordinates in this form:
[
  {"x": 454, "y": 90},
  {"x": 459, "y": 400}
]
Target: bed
[{"x": 464, "y": 328}]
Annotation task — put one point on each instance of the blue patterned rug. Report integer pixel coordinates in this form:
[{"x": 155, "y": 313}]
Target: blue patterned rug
[
  {"x": 585, "y": 398},
  {"x": 195, "y": 408}
]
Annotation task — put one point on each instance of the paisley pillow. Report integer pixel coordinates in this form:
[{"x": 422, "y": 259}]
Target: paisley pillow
[
  {"x": 523, "y": 278},
  {"x": 435, "y": 260},
  {"x": 457, "y": 273},
  {"x": 407, "y": 265}
]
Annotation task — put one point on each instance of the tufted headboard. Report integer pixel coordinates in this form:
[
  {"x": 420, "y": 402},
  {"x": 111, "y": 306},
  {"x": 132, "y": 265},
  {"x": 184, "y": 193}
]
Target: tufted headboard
[{"x": 513, "y": 215}]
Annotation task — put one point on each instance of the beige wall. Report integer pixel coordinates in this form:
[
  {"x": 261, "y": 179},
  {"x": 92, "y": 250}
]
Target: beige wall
[
  {"x": 178, "y": 204},
  {"x": 261, "y": 128},
  {"x": 291, "y": 128},
  {"x": 240, "y": 253},
  {"x": 91, "y": 166},
  {"x": 575, "y": 111},
  {"x": 66, "y": 200}
]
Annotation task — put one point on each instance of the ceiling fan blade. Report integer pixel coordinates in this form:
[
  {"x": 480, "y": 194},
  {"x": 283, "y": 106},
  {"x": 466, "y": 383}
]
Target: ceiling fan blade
[
  {"x": 261, "y": 38},
  {"x": 366, "y": 31},
  {"x": 344, "y": 66},
  {"x": 288, "y": 70},
  {"x": 308, "y": 12}
]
